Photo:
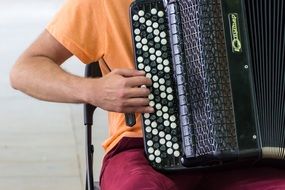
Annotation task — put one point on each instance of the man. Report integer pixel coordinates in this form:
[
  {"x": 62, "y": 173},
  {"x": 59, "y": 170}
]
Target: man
[{"x": 99, "y": 30}]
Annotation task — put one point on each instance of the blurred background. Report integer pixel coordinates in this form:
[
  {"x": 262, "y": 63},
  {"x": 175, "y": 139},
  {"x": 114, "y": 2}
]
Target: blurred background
[{"x": 41, "y": 143}]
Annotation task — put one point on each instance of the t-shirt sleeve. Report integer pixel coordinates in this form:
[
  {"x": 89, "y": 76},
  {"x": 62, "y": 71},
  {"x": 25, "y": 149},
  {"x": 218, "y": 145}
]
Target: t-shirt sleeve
[{"x": 80, "y": 27}]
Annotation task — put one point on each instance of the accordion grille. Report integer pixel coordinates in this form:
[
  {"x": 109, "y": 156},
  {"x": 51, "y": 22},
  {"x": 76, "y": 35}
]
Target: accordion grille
[
  {"x": 209, "y": 85},
  {"x": 266, "y": 29}
]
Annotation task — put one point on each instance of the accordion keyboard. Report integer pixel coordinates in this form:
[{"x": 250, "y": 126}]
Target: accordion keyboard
[{"x": 153, "y": 55}]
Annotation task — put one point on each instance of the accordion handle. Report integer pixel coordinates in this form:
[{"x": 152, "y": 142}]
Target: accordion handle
[{"x": 130, "y": 119}]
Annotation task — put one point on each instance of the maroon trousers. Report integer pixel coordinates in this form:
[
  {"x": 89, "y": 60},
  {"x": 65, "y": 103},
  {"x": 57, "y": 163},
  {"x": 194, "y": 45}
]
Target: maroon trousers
[{"x": 126, "y": 168}]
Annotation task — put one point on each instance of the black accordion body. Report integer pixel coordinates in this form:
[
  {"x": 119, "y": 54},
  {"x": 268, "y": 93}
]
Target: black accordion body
[{"x": 218, "y": 72}]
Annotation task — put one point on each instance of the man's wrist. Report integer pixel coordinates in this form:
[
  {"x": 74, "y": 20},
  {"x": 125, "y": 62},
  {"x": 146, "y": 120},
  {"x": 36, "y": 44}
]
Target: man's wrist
[{"x": 86, "y": 90}]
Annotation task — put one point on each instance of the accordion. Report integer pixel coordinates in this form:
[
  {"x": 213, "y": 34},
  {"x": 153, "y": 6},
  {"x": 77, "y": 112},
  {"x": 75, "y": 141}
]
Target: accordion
[{"x": 218, "y": 72}]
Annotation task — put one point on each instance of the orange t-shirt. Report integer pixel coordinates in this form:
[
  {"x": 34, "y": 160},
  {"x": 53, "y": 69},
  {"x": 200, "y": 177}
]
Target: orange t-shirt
[{"x": 99, "y": 30}]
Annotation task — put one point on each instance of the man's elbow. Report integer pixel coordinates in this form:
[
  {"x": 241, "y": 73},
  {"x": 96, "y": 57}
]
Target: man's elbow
[
  {"x": 14, "y": 77},
  {"x": 17, "y": 75}
]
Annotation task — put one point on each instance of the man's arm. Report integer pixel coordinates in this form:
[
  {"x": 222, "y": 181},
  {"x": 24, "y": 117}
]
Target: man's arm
[{"x": 37, "y": 73}]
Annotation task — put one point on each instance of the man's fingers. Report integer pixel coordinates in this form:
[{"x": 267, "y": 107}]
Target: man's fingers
[
  {"x": 136, "y": 102},
  {"x": 128, "y": 72},
  {"x": 139, "y": 81},
  {"x": 142, "y": 109},
  {"x": 138, "y": 93}
]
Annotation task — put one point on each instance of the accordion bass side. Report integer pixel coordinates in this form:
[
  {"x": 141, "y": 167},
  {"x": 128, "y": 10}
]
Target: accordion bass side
[{"x": 218, "y": 75}]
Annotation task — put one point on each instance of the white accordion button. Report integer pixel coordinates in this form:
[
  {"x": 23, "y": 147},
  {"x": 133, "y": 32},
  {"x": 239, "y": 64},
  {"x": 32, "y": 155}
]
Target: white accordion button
[
  {"x": 163, "y": 41},
  {"x": 158, "y": 53},
  {"x": 150, "y": 96},
  {"x": 160, "y": 67},
  {"x": 159, "y": 60},
  {"x": 142, "y": 20},
  {"x": 157, "y": 39},
  {"x": 155, "y": 78},
  {"x": 176, "y": 153},
  {"x": 159, "y": 113},
  {"x": 151, "y": 50},
  {"x": 150, "y": 150},
  {"x": 166, "y": 123},
  {"x": 175, "y": 146},
  {"x": 149, "y": 29},
  {"x": 173, "y": 125},
  {"x": 162, "y": 141},
  {"x": 170, "y": 97},
  {"x": 145, "y": 48},
  {"x": 151, "y": 103},
  {"x": 155, "y": 25},
  {"x": 149, "y": 143},
  {"x": 148, "y": 129},
  {"x": 168, "y": 137},
  {"x": 162, "y": 34},
  {"x": 148, "y": 75},
  {"x": 158, "y": 160},
  {"x": 165, "y": 109},
  {"x": 170, "y": 151},
  {"x": 147, "y": 68},
  {"x": 146, "y": 115},
  {"x": 147, "y": 122},
  {"x": 144, "y": 41},
  {"x": 155, "y": 85},
  {"x": 157, "y": 153},
  {"x": 153, "y": 11},
  {"x": 169, "y": 90},
  {"x": 154, "y": 124},
  {"x": 169, "y": 144},
  {"x": 141, "y": 13},
  {"x": 165, "y": 116},
  {"x": 139, "y": 45},
  {"x": 135, "y": 17},
  {"x": 160, "y": 14},
  {"x": 163, "y": 95},
  {"x": 152, "y": 57},
  {"x": 161, "y": 134},
  {"x": 140, "y": 59},
  {"x": 151, "y": 157},
  {"x": 162, "y": 88},
  {"x": 154, "y": 131},
  {"x": 158, "y": 106},
  {"x": 172, "y": 118},
  {"x": 148, "y": 23},
  {"x": 167, "y": 69},
  {"x": 161, "y": 81},
  {"x": 138, "y": 38},
  {"x": 137, "y": 31},
  {"x": 156, "y": 32},
  {"x": 140, "y": 66},
  {"x": 165, "y": 62}
]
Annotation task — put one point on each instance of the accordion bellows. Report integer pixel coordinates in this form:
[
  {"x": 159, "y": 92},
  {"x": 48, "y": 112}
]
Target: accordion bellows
[{"x": 218, "y": 75}]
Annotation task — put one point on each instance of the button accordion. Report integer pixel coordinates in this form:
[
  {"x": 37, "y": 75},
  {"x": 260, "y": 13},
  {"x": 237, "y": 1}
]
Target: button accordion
[{"x": 218, "y": 72}]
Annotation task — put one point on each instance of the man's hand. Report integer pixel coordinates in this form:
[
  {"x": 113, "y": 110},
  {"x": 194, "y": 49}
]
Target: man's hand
[{"x": 120, "y": 91}]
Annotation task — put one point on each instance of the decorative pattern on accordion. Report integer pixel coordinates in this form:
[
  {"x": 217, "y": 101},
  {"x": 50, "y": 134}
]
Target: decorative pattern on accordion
[{"x": 208, "y": 76}]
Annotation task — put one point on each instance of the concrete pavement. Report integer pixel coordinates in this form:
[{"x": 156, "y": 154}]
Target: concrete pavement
[{"x": 41, "y": 143}]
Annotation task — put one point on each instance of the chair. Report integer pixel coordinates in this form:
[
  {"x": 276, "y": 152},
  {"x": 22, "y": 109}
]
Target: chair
[{"x": 91, "y": 70}]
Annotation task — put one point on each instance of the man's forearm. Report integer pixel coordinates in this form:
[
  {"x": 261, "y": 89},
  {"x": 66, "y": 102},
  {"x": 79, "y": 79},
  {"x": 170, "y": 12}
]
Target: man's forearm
[{"x": 43, "y": 79}]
